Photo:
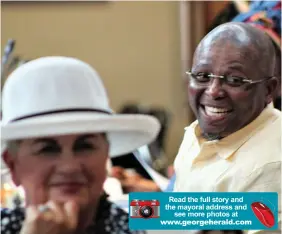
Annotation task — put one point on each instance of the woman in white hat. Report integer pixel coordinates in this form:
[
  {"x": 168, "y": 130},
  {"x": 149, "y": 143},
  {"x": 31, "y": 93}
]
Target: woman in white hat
[{"x": 59, "y": 131}]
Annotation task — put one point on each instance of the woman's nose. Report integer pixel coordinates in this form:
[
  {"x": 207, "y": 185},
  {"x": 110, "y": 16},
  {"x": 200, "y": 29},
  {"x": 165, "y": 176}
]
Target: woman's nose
[{"x": 69, "y": 163}]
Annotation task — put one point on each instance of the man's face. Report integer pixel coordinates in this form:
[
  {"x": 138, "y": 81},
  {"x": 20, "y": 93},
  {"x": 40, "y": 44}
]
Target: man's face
[{"x": 222, "y": 109}]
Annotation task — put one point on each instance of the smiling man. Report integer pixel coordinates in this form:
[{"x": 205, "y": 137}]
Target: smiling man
[{"x": 235, "y": 143}]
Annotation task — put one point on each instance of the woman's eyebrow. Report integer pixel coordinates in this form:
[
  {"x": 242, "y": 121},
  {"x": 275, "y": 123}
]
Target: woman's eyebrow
[
  {"x": 45, "y": 140},
  {"x": 86, "y": 136}
]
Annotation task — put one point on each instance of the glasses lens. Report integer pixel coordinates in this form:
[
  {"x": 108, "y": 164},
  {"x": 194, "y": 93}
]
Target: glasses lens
[
  {"x": 201, "y": 77},
  {"x": 234, "y": 81}
]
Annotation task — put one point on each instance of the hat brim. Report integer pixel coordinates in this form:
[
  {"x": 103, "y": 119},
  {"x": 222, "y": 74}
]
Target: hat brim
[{"x": 124, "y": 132}]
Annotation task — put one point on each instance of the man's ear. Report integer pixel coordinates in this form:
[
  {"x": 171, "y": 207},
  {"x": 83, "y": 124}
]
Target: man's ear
[
  {"x": 271, "y": 89},
  {"x": 10, "y": 162}
]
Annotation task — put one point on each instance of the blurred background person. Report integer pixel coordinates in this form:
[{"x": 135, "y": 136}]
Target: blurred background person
[{"x": 132, "y": 169}]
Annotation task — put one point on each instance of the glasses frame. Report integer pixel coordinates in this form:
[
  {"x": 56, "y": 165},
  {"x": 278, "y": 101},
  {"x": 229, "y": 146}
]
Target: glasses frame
[{"x": 247, "y": 81}]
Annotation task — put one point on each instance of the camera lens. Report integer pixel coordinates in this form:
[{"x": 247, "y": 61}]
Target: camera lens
[{"x": 146, "y": 211}]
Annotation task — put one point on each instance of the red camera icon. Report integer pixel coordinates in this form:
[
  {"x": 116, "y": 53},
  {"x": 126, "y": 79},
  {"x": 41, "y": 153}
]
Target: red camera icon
[{"x": 145, "y": 209}]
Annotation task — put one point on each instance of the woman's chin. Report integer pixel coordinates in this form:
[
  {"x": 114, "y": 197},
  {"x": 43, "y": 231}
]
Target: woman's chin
[{"x": 81, "y": 198}]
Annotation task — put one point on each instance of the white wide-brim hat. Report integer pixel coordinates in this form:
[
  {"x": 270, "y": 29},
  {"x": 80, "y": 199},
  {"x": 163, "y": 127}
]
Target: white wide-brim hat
[{"x": 53, "y": 96}]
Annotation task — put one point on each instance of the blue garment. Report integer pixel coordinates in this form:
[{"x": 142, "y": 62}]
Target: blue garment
[
  {"x": 272, "y": 10},
  {"x": 171, "y": 184}
]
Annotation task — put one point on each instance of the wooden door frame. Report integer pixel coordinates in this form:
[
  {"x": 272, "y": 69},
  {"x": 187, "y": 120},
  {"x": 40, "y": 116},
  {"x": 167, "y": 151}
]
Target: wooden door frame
[{"x": 192, "y": 17}]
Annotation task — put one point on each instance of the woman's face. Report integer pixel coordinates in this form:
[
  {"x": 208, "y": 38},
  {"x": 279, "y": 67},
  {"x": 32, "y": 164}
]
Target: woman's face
[{"x": 62, "y": 168}]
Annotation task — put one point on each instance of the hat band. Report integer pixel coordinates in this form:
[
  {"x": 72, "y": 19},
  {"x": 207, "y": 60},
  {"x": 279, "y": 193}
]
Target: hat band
[{"x": 61, "y": 111}]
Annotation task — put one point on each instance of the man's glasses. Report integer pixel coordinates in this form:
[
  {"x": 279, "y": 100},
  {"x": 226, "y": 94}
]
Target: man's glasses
[{"x": 204, "y": 79}]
